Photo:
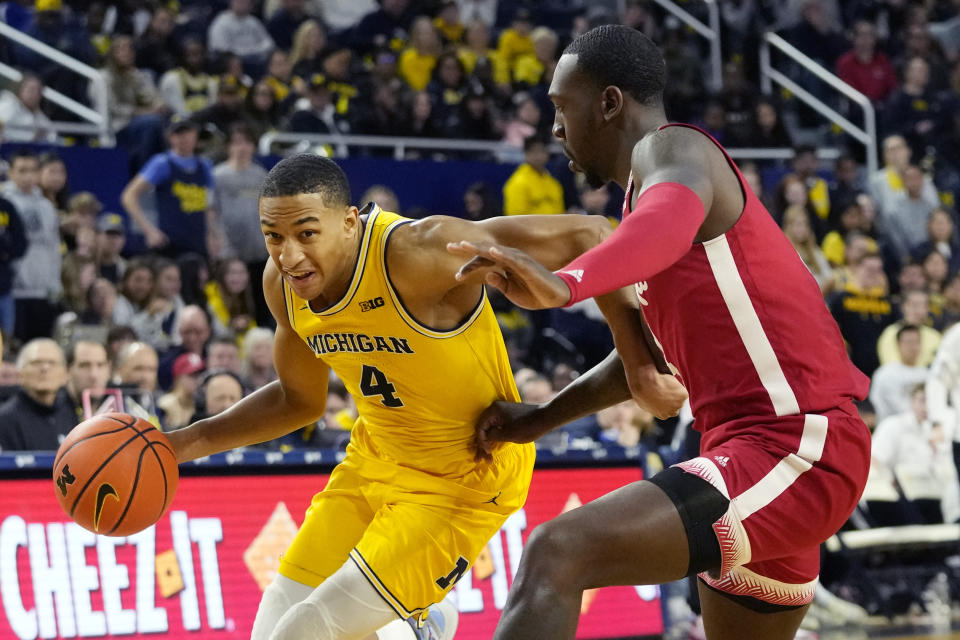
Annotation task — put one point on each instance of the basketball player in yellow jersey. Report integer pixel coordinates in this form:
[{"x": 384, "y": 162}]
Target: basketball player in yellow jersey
[{"x": 374, "y": 296}]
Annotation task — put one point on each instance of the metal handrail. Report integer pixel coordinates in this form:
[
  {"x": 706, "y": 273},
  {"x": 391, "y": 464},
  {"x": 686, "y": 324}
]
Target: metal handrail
[
  {"x": 710, "y": 33},
  {"x": 866, "y": 135},
  {"x": 400, "y": 144},
  {"x": 56, "y": 97},
  {"x": 99, "y": 118}
]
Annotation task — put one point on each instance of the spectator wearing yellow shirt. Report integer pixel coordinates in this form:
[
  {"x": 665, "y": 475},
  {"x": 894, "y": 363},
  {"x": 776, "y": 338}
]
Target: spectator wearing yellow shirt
[
  {"x": 417, "y": 60},
  {"x": 915, "y": 311},
  {"x": 280, "y": 80},
  {"x": 448, "y": 22},
  {"x": 530, "y": 68},
  {"x": 515, "y": 40},
  {"x": 851, "y": 218},
  {"x": 805, "y": 164},
  {"x": 479, "y": 60},
  {"x": 531, "y": 188}
]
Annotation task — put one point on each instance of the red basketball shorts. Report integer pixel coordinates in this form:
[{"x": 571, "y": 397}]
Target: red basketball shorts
[{"x": 792, "y": 482}]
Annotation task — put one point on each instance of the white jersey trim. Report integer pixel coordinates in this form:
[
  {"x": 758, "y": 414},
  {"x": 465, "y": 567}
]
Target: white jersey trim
[
  {"x": 786, "y": 472},
  {"x": 745, "y": 317}
]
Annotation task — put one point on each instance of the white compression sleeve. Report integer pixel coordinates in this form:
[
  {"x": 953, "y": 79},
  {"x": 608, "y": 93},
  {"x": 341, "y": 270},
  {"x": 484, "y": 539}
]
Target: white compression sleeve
[
  {"x": 344, "y": 607},
  {"x": 396, "y": 630},
  {"x": 278, "y": 597}
]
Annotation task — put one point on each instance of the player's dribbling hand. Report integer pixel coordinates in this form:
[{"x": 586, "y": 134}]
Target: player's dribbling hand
[
  {"x": 522, "y": 279},
  {"x": 506, "y": 422},
  {"x": 660, "y": 394}
]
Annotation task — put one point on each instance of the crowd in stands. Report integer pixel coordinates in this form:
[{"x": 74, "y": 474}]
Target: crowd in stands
[{"x": 162, "y": 298}]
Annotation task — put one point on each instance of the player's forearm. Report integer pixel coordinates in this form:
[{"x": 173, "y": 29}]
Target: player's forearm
[
  {"x": 572, "y": 235},
  {"x": 602, "y": 386},
  {"x": 263, "y": 415},
  {"x": 657, "y": 233}
]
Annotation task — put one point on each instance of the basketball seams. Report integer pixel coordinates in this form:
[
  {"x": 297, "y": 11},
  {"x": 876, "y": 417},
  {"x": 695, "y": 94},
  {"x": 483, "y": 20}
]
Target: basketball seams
[
  {"x": 150, "y": 445},
  {"x": 103, "y": 464},
  {"x": 85, "y": 438},
  {"x": 133, "y": 491}
]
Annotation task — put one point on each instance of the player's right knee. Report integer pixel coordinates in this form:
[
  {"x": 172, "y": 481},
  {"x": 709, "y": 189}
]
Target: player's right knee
[{"x": 550, "y": 554}]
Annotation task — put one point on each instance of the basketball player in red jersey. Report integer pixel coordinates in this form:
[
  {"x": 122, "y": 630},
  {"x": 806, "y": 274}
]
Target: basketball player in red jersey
[{"x": 739, "y": 318}]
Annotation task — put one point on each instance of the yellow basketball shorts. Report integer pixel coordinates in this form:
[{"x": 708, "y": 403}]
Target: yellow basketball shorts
[{"x": 411, "y": 534}]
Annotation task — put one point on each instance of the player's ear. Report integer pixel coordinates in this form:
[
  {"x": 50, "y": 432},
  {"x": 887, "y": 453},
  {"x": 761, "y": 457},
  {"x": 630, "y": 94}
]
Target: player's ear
[
  {"x": 351, "y": 218},
  {"x": 611, "y": 103}
]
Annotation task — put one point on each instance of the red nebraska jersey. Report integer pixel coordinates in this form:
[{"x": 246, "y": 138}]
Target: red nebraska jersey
[{"x": 744, "y": 323}]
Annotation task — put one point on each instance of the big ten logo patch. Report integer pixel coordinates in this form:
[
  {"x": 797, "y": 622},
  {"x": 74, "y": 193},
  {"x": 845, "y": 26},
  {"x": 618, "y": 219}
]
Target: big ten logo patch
[{"x": 370, "y": 305}]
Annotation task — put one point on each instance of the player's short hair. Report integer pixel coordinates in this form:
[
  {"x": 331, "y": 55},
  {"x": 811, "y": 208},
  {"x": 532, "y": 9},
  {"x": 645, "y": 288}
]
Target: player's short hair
[
  {"x": 617, "y": 55},
  {"x": 307, "y": 173}
]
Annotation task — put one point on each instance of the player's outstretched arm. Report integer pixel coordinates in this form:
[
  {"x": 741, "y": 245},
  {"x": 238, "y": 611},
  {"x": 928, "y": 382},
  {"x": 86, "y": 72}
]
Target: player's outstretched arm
[
  {"x": 434, "y": 259},
  {"x": 296, "y": 399},
  {"x": 603, "y": 386},
  {"x": 677, "y": 192}
]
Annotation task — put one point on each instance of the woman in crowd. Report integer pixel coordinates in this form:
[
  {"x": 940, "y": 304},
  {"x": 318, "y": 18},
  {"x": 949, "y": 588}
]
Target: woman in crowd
[
  {"x": 941, "y": 237},
  {"x": 796, "y": 226},
  {"x": 53, "y": 181},
  {"x": 229, "y": 300},
  {"x": 261, "y": 107},
  {"x": 135, "y": 289},
  {"x": 157, "y": 325},
  {"x": 78, "y": 274},
  {"x": 309, "y": 41}
]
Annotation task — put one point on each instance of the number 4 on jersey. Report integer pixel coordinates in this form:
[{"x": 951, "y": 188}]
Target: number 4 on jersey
[{"x": 374, "y": 383}]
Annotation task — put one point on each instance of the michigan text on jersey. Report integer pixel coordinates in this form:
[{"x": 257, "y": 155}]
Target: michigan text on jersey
[{"x": 323, "y": 343}]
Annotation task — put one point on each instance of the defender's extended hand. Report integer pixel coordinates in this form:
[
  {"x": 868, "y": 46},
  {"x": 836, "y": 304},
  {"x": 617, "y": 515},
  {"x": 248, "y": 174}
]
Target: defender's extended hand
[
  {"x": 522, "y": 279},
  {"x": 506, "y": 422}
]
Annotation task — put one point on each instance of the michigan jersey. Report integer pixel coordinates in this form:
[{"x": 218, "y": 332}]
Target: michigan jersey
[{"x": 418, "y": 389}]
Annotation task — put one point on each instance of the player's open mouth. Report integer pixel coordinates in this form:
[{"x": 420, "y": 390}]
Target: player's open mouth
[{"x": 299, "y": 276}]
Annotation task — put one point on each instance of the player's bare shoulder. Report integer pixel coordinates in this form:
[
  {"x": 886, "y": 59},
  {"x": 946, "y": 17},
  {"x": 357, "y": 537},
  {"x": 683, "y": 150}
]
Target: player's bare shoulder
[
  {"x": 418, "y": 259},
  {"x": 672, "y": 148}
]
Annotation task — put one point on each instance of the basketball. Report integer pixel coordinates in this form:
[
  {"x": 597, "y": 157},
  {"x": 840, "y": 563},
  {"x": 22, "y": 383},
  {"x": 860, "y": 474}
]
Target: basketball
[{"x": 115, "y": 474}]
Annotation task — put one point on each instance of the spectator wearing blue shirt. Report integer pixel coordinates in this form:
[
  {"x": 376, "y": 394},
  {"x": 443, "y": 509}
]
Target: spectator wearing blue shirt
[{"x": 186, "y": 219}]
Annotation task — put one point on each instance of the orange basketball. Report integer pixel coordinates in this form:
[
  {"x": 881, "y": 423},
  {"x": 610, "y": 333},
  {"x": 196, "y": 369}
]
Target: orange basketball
[{"x": 115, "y": 474}]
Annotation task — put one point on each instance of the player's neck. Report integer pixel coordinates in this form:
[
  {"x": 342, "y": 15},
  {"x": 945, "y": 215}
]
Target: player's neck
[
  {"x": 636, "y": 127},
  {"x": 338, "y": 290}
]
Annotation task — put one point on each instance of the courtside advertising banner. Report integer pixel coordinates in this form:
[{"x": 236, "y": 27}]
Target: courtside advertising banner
[{"x": 199, "y": 572}]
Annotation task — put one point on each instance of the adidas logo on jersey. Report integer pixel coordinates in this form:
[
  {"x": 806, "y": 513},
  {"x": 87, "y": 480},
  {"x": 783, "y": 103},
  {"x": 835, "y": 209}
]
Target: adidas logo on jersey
[
  {"x": 722, "y": 460},
  {"x": 576, "y": 273}
]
